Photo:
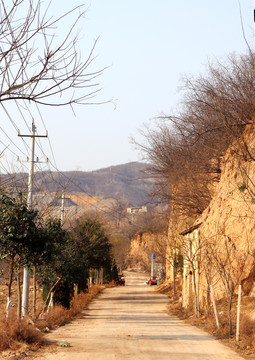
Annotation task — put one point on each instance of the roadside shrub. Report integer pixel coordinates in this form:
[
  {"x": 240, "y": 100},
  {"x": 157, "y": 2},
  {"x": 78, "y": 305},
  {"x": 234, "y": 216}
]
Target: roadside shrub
[
  {"x": 93, "y": 291},
  {"x": 77, "y": 304},
  {"x": 57, "y": 316},
  {"x": 13, "y": 332},
  {"x": 247, "y": 326}
]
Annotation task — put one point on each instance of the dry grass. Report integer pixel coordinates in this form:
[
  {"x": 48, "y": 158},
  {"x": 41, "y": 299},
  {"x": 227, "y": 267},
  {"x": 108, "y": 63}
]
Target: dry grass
[
  {"x": 58, "y": 315},
  {"x": 81, "y": 301},
  {"x": 247, "y": 326},
  {"x": 246, "y": 343},
  {"x": 15, "y": 333}
]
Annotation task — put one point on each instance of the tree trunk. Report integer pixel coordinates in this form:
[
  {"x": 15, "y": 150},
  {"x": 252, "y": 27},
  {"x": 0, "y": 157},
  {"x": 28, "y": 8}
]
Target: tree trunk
[
  {"x": 173, "y": 277},
  {"x": 195, "y": 292},
  {"x": 19, "y": 293},
  {"x": 34, "y": 286},
  {"x": 214, "y": 307},
  {"x": 198, "y": 290},
  {"x": 48, "y": 296},
  {"x": 229, "y": 315},
  {"x": 51, "y": 302},
  {"x": 101, "y": 277},
  {"x": 208, "y": 302},
  {"x": 8, "y": 305},
  {"x": 76, "y": 289}
]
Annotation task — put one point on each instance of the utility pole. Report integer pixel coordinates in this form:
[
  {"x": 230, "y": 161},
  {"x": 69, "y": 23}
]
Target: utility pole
[
  {"x": 152, "y": 265},
  {"x": 62, "y": 207},
  {"x": 25, "y": 291}
]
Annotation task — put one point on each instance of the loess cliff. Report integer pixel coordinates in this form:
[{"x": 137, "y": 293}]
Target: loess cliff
[{"x": 225, "y": 232}]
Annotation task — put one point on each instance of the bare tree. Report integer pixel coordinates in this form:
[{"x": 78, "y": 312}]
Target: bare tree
[
  {"x": 36, "y": 66},
  {"x": 183, "y": 174},
  {"x": 209, "y": 276},
  {"x": 174, "y": 253},
  {"x": 230, "y": 264},
  {"x": 186, "y": 148},
  {"x": 195, "y": 255}
]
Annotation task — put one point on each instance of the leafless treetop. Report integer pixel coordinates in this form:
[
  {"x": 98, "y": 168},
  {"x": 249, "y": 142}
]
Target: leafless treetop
[{"x": 34, "y": 66}]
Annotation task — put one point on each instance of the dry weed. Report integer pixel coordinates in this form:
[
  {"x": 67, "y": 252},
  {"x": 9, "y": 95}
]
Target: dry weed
[
  {"x": 14, "y": 332},
  {"x": 77, "y": 304},
  {"x": 247, "y": 326},
  {"x": 57, "y": 316},
  {"x": 95, "y": 290}
]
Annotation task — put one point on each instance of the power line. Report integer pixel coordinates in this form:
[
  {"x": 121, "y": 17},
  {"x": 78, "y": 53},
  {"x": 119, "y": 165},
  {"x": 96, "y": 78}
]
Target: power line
[
  {"x": 12, "y": 141},
  {"x": 93, "y": 197},
  {"x": 21, "y": 113},
  {"x": 13, "y": 123},
  {"x": 48, "y": 136},
  {"x": 70, "y": 181}
]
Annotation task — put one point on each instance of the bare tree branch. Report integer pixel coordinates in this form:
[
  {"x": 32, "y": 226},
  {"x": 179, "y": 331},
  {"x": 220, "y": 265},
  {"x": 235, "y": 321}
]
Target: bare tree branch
[{"x": 33, "y": 66}]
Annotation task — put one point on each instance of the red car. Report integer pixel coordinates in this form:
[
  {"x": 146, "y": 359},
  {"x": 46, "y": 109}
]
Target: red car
[{"x": 153, "y": 281}]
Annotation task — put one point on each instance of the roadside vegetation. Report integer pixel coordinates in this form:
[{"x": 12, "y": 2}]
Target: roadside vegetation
[
  {"x": 27, "y": 333},
  {"x": 65, "y": 266},
  {"x": 246, "y": 344}
]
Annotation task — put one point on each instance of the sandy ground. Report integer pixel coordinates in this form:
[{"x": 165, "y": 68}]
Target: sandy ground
[{"x": 131, "y": 322}]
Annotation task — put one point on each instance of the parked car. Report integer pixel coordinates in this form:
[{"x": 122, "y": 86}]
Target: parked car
[
  {"x": 153, "y": 281},
  {"x": 121, "y": 280}
]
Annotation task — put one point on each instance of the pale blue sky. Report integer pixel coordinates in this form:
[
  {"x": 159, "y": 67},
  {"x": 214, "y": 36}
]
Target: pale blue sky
[{"x": 148, "y": 45}]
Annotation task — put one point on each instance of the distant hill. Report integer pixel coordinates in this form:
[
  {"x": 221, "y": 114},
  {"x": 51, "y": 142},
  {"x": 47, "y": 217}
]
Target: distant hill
[{"x": 127, "y": 182}]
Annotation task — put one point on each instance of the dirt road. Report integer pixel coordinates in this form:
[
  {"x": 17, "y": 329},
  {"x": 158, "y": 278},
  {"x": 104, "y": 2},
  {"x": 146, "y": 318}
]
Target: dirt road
[{"x": 131, "y": 323}]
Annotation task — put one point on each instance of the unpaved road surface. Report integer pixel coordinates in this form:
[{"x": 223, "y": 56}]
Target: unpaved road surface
[{"x": 131, "y": 322}]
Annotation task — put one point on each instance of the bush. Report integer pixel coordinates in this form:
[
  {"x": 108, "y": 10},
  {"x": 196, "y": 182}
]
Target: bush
[
  {"x": 247, "y": 326},
  {"x": 14, "y": 332},
  {"x": 78, "y": 303},
  {"x": 57, "y": 316}
]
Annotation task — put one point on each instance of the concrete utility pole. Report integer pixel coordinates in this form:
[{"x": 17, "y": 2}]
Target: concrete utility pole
[
  {"x": 25, "y": 292},
  {"x": 62, "y": 207},
  {"x": 238, "y": 313},
  {"x": 152, "y": 265}
]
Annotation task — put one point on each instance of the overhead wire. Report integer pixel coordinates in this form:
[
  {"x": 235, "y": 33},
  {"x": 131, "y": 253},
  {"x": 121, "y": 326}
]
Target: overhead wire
[
  {"x": 21, "y": 113},
  {"x": 93, "y": 197},
  {"x": 109, "y": 212},
  {"x": 14, "y": 124},
  {"x": 55, "y": 164},
  {"x": 53, "y": 156},
  {"x": 70, "y": 181},
  {"x": 37, "y": 139},
  {"x": 16, "y": 128},
  {"x": 40, "y": 146},
  {"x": 40, "y": 115},
  {"x": 12, "y": 141}
]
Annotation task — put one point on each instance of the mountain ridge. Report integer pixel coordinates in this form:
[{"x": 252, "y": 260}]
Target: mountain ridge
[{"x": 127, "y": 182}]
